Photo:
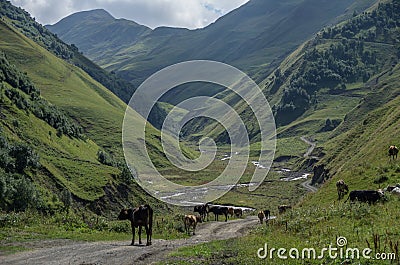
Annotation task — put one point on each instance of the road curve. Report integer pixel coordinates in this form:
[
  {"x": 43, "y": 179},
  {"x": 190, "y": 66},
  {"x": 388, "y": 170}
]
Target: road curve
[
  {"x": 311, "y": 144},
  {"x": 307, "y": 184},
  {"x": 122, "y": 253}
]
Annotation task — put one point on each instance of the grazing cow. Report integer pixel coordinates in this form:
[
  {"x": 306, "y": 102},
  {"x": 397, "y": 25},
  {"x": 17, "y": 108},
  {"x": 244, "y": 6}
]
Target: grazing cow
[
  {"x": 191, "y": 221},
  {"x": 238, "y": 212},
  {"x": 217, "y": 210},
  {"x": 370, "y": 196},
  {"x": 396, "y": 191},
  {"x": 342, "y": 188},
  {"x": 230, "y": 211},
  {"x": 267, "y": 214},
  {"x": 393, "y": 151},
  {"x": 282, "y": 208},
  {"x": 140, "y": 216},
  {"x": 202, "y": 210},
  {"x": 261, "y": 216}
]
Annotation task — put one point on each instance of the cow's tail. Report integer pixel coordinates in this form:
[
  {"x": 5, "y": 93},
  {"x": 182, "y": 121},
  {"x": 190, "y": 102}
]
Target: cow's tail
[{"x": 347, "y": 199}]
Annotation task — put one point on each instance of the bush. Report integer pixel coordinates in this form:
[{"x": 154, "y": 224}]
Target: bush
[
  {"x": 381, "y": 179},
  {"x": 105, "y": 158},
  {"x": 18, "y": 193}
]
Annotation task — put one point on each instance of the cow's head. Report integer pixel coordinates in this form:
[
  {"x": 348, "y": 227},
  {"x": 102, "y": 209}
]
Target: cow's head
[
  {"x": 382, "y": 194},
  {"x": 124, "y": 214}
]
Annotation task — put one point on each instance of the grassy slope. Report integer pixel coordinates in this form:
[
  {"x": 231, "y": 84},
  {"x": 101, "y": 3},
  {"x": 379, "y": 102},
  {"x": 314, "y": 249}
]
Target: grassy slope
[{"x": 73, "y": 163}]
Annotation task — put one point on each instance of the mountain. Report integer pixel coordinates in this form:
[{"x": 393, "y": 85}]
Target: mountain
[
  {"x": 97, "y": 33},
  {"x": 254, "y": 38}
]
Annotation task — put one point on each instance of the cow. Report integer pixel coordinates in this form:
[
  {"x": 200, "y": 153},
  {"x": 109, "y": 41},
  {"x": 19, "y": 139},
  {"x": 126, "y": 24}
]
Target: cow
[
  {"x": 369, "y": 196},
  {"x": 342, "y": 188},
  {"x": 231, "y": 211},
  {"x": 217, "y": 210},
  {"x": 282, "y": 208},
  {"x": 238, "y": 212},
  {"x": 393, "y": 151},
  {"x": 140, "y": 216},
  {"x": 202, "y": 210},
  {"x": 191, "y": 221},
  {"x": 267, "y": 214},
  {"x": 261, "y": 216}
]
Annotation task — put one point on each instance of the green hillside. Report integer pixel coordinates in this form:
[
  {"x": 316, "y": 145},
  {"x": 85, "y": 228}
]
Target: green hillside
[
  {"x": 22, "y": 21},
  {"x": 319, "y": 83},
  {"x": 68, "y": 160}
]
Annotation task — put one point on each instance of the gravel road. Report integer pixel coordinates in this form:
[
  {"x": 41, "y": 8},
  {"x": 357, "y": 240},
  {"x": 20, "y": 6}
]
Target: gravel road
[{"x": 121, "y": 252}]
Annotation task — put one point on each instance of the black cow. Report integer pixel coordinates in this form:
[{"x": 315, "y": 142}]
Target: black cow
[
  {"x": 140, "y": 216},
  {"x": 202, "y": 210},
  {"x": 267, "y": 214},
  {"x": 370, "y": 196},
  {"x": 393, "y": 151},
  {"x": 217, "y": 210},
  {"x": 238, "y": 212}
]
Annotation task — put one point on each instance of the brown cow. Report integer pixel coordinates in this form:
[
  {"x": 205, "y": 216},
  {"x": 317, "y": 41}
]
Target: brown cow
[
  {"x": 282, "y": 208},
  {"x": 342, "y": 188},
  {"x": 393, "y": 151},
  {"x": 140, "y": 216},
  {"x": 191, "y": 221},
  {"x": 261, "y": 216},
  {"x": 238, "y": 212},
  {"x": 230, "y": 211}
]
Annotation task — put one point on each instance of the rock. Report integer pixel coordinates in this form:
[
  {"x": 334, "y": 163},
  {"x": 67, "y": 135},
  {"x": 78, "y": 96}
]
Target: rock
[{"x": 320, "y": 174}]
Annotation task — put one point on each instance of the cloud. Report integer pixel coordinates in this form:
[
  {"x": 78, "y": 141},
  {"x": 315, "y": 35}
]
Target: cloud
[{"x": 154, "y": 13}]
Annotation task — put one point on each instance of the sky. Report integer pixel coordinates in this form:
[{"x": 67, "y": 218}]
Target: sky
[{"x": 152, "y": 13}]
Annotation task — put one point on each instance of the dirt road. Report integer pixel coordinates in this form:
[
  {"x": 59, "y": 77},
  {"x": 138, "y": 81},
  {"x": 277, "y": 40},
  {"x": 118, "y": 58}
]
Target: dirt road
[
  {"x": 307, "y": 185},
  {"x": 311, "y": 144},
  {"x": 123, "y": 253}
]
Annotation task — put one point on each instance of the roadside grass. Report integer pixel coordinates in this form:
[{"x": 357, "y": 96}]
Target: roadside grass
[{"x": 306, "y": 227}]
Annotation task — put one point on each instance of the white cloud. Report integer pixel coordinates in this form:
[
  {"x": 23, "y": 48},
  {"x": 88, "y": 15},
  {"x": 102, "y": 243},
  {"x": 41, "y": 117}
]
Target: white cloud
[{"x": 154, "y": 13}]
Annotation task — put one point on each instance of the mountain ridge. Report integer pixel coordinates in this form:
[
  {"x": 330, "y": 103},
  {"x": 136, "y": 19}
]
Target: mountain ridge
[{"x": 237, "y": 38}]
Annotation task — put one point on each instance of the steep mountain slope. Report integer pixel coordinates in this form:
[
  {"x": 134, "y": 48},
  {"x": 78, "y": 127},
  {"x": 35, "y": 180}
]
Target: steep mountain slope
[
  {"x": 22, "y": 21},
  {"x": 68, "y": 161},
  {"x": 318, "y": 84},
  {"x": 254, "y": 37}
]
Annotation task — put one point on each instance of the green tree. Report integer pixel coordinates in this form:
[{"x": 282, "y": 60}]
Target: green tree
[{"x": 66, "y": 199}]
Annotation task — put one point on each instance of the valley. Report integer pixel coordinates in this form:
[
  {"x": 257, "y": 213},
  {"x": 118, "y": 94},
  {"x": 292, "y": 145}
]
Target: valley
[{"x": 329, "y": 69}]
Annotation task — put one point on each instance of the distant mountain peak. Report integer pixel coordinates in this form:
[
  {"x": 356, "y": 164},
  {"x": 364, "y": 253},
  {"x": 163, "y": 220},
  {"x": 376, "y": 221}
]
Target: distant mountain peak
[
  {"x": 100, "y": 13},
  {"x": 95, "y": 14}
]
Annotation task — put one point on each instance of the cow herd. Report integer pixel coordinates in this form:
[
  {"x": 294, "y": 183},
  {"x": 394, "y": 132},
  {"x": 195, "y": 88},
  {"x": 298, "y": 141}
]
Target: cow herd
[
  {"x": 142, "y": 216},
  {"x": 204, "y": 210}
]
